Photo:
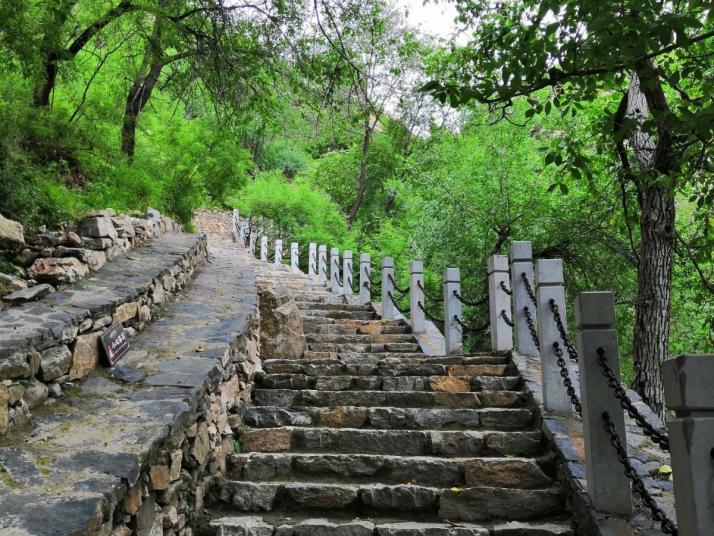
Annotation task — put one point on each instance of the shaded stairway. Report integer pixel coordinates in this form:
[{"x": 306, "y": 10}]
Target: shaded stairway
[{"x": 366, "y": 435}]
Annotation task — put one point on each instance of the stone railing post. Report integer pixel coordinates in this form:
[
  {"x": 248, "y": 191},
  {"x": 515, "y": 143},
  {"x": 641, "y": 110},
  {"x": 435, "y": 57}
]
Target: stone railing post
[
  {"x": 235, "y": 232},
  {"x": 322, "y": 264},
  {"x": 416, "y": 296},
  {"x": 688, "y": 391},
  {"x": 453, "y": 336},
  {"x": 522, "y": 263},
  {"x": 252, "y": 241},
  {"x": 264, "y": 248},
  {"x": 241, "y": 233},
  {"x": 335, "y": 271},
  {"x": 312, "y": 261},
  {"x": 608, "y": 487},
  {"x": 549, "y": 286},
  {"x": 294, "y": 254},
  {"x": 388, "y": 309},
  {"x": 347, "y": 273},
  {"x": 365, "y": 289},
  {"x": 499, "y": 301},
  {"x": 278, "y": 252}
]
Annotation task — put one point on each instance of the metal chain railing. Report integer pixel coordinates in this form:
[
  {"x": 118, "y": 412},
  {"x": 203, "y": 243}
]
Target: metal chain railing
[
  {"x": 667, "y": 525},
  {"x": 505, "y": 289},
  {"x": 396, "y": 287},
  {"x": 529, "y": 288},
  {"x": 471, "y": 303},
  {"x": 567, "y": 382},
  {"x": 370, "y": 283},
  {"x": 572, "y": 352},
  {"x": 531, "y": 326},
  {"x": 507, "y": 320},
  {"x": 657, "y": 436},
  {"x": 337, "y": 276},
  {"x": 396, "y": 305},
  {"x": 431, "y": 317},
  {"x": 466, "y": 328},
  {"x": 427, "y": 295}
]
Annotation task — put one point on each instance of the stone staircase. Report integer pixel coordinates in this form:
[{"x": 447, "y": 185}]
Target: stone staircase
[{"x": 366, "y": 435}]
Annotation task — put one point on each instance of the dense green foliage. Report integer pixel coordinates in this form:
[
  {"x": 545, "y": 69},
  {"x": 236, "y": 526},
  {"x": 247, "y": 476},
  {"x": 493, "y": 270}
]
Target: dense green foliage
[{"x": 322, "y": 129}]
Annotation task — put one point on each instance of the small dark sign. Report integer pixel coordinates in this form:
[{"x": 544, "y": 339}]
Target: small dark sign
[{"x": 115, "y": 343}]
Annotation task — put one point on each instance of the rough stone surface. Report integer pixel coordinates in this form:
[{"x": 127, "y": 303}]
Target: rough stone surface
[
  {"x": 55, "y": 362},
  {"x": 98, "y": 227},
  {"x": 281, "y": 332},
  {"x": 58, "y": 270},
  {"x": 85, "y": 356},
  {"x": 29, "y": 294},
  {"x": 11, "y": 234},
  {"x": 10, "y": 283}
]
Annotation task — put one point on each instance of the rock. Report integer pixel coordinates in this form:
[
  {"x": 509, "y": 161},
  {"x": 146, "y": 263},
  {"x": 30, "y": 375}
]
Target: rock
[
  {"x": 72, "y": 239},
  {"x": 15, "y": 392},
  {"x": 321, "y": 495},
  {"x": 483, "y": 503},
  {"x": 85, "y": 355},
  {"x": 152, "y": 214},
  {"x": 126, "y": 311},
  {"x": 145, "y": 313},
  {"x": 98, "y": 227},
  {"x": 132, "y": 500},
  {"x": 55, "y": 362},
  {"x": 25, "y": 258},
  {"x": 11, "y": 234},
  {"x": 55, "y": 390},
  {"x": 92, "y": 258},
  {"x": 114, "y": 252},
  {"x": 10, "y": 283},
  {"x": 254, "y": 497},
  {"x": 58, "y": 270},
  {"x": 323, "y": 527},
  {"x": 33, "y": 293},
  {"x": 159, "y": 477},
  {"x": 243, "y": 526},
  {"x": 36, "y": 393},
  {"x": 98, "y": 244},
  {"x": 123, "y": 226},
  {"x": 47, "y": 253},
  {"x": 281, "y": 330},
  {"x": 15, "y": 364},
  {"x": 175, "y": 469},
  {"x": 450, "y": 384},
  {"x": 201, "y": 445}
]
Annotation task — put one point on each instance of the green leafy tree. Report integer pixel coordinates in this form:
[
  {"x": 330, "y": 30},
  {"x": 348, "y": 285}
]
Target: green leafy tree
[{"x": 657, "y": 58}]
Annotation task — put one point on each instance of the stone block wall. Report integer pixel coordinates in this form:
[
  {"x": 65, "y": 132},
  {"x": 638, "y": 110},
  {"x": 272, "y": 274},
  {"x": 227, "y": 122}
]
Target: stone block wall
[
  {"x": 49, "y": 260},
  {"x": 37, "y": 365}
]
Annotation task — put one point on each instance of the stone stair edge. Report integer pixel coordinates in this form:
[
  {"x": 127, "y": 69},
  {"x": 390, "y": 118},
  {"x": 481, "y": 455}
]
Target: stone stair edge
[{"x": 61, "y": 339}]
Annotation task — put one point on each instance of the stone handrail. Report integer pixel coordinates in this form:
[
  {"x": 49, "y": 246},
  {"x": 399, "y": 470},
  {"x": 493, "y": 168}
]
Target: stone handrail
[{"x": 534, "y": 312}]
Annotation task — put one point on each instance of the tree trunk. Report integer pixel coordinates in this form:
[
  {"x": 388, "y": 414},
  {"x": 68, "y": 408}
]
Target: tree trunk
[
  {"x": 136, "y": 100},
  {"x": 362, "y": 177},
  {"x": 657, "y": 234}
]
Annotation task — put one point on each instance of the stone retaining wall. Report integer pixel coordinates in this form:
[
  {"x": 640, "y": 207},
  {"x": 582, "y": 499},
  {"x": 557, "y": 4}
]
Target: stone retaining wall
[{"x": 47, "y": 344}]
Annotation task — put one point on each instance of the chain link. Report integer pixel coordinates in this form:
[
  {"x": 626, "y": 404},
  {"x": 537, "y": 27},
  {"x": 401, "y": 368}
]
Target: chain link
[
  {"x": 431, "y": 317},
  {"x": 507, "y": 320},
  {"x": 529, "y": 289},
  {"x": 572, "y": 352},
  {"x": 465, "y": 328},
  {"x": 394, "y": 284},
  {"x": 391, "y": 297},
  {"x": 531, "y": 326},
  {"x": 657, "y": 436},
  {"x": 505, "y": 289},
  {"x": 426, "y": 294},
  {"x": 472, "y": 303},
  {"x": 567, "y": 382},
  {"x": 370, "y": 282},
  {"x": 668, "y": 527}
]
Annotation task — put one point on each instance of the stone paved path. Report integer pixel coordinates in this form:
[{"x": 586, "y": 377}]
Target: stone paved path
[{"x": 365, "y": 435}]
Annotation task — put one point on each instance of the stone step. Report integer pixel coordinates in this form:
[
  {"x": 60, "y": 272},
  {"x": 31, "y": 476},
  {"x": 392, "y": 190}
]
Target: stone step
[
  {"x": 337, "y": 315},
  {"x": 326, "y": 338},
  {"x": 299, "y": 526},
  {"x": 359, "y": 366},
  {"x": 448, "y": 443},
  {"x": 364, "y": 347},
  {"x": 292, "y": 398},
  {"x": 307, "y": 305},
  {"x": 328, "y": 326},
  {"x": 388, "y": 383},
  {"x": 517, "y": 473},
  {"x": 391, "y": 418},
  {"x": 468, "y": 504},
  {"x": 363, "y": 356}
]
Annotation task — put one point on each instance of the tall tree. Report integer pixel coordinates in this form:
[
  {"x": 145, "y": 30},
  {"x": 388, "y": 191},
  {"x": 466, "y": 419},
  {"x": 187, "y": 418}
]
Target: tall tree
[{"x": 561, "y": 53}]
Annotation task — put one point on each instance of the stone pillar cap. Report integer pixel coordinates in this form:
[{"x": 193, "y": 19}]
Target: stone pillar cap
[
  {"x": 688, "y": 382},
  {"x": 521, "y": 251},
  {"x": 347, "y": 254},
  {"x": 335, "y": 250},
  {"x": 452, "y": 275},
  {"x": 549, "y": 272},
  {"x": 387, "y": 262},
  {"x": 497, "y": 263},
  {"x": 416, "y": 267},
  {"x": 595, "y": 310},
  {"x": 364, "y": 257}
]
